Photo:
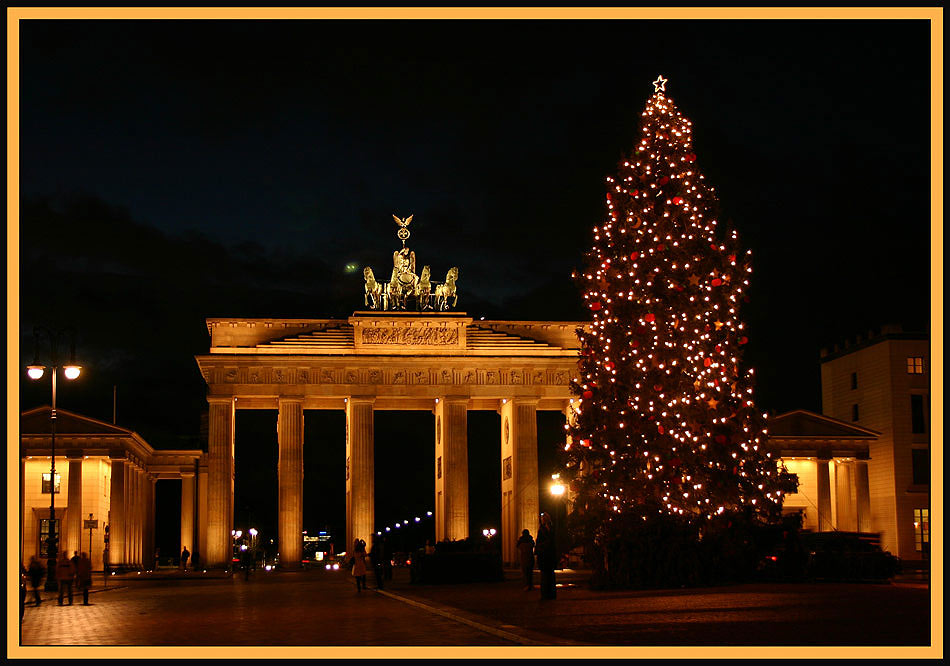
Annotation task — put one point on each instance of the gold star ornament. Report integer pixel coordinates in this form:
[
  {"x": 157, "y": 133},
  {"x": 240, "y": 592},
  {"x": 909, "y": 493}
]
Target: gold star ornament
[{"x": 659, "y": 84}]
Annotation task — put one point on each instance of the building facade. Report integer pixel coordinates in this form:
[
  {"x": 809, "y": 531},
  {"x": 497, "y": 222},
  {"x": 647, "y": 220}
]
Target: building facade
[
  {"x": 883, "y": 383},
  {"x": 104, "y": 476}
]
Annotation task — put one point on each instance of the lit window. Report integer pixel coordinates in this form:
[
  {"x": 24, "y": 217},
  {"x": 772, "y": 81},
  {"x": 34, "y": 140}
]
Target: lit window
[
  {"x": 46, "y": 484},
  {"x": 922, "y": 530},
  {"x": 915, "y": 365}
]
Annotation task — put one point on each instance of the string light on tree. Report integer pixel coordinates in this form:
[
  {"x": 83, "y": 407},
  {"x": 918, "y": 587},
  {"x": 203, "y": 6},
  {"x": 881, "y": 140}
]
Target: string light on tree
[{"x": 664, "y": 418}]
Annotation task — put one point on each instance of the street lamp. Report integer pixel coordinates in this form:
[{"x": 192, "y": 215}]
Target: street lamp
[{"x": 36, "y": 371}]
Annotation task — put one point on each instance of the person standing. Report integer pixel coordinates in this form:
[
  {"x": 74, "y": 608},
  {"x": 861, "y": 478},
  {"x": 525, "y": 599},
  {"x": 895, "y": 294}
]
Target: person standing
[
  {"x": 358, "y": 560},
  {"x": 84, "y": 577},
  {"x": 525, "y": 547},
  {"x": 184, "y": 558},
  {"x": 65, "y": 573},
  {"x": 546, "y": 550},
  {"x": 35, "y": 572}
]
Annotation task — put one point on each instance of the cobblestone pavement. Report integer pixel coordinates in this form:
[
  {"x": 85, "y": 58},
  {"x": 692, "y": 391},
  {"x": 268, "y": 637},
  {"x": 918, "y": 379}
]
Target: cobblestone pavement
[
  {"x": 319, "y": 608},
  {"x": 761, "y": 614},
  {"x": 287, "y": 609}
]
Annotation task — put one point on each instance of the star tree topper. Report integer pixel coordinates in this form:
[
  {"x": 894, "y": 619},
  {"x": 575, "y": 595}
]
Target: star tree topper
[{"x": 660, "y": 84}]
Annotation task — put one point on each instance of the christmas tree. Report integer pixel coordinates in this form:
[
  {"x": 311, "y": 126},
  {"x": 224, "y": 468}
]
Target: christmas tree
[{"x": 665, "y": 431}]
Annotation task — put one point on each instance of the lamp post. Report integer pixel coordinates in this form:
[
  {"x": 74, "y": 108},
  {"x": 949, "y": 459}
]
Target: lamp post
[
  {"x": 36, "y": 372},
  {"x": 559, "y": 491}
]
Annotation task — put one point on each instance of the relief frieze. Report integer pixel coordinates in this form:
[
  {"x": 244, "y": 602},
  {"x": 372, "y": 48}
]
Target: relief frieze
[{"x": 410, "y": 335}]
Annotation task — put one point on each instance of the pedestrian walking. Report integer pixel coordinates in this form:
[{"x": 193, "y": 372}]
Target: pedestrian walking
[
  {"x": 546, "y": 551},
  {"x": 65, "y": 574},
  {"x": 358, "y": 561},
  {"x": 84, "y": 577},
  {"x": 184, "y": 558},
  {"x": 35, "y": 572},
  {"x": 376, "y": 557},
  {"x": 525, "y": 547}
]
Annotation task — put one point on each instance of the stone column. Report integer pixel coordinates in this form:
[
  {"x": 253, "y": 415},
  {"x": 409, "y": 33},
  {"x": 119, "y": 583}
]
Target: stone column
[
  {"x": 202, "y": 517},
  {"x": 862, "y": 495},
  {"x": 220, "y": 482},
  {"x": 845, "y": 515},
  {"x": 73, "y": 533},
  {"x": 451, "y": 469},
  {"x": 825, "y": 523},
  {"x": 519, "y": 473},
  {"x": 135, "y": 515},
  {"x": 150, "y": 562},
  {"x": 360, "y": 486},
  {"x": 188, "y": 510},
  {"x": 117, "y": 512},
  {"x": 290, "y": 482}
]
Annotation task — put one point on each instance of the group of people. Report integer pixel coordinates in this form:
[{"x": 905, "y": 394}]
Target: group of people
[
  {"x": 379, "y": 560},
  {"x": 545, "y": 550},
  {"x": 76, "y": 570}
]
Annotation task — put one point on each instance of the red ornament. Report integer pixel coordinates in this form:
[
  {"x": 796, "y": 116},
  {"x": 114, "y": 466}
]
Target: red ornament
[
  {"x": 743, "y": 340},
  {"x": 661, "y": 247},
  {"x": 595, "y": 305},
  {"x": 718, "y": 348},
  {"x": 732, "y": 258},
  {"x": 588, "y": 394},
  {"x": 691, "y": 157},
  {"x": 634, "y": 193},
  {"x": 714, "y": 246},
  {"x": 664, "y": 180},
  {"x": 634, "y": 343},
  {"x": 634, "y": 256},
  {"x": 716, "y": 282},
  {"x": 585, "y": 442},
  {"x": 649, "y": 317},
  {"x": 609, "y": 365},
  {"x": 658, "y": 387},
  {"x": 660, "y": 429},
  {"x": 707, "y": 361},
  {"x": 677, "y": 200}
]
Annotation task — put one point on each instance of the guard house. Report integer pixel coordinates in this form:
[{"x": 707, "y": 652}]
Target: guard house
[{"x": 105, "y": 475}]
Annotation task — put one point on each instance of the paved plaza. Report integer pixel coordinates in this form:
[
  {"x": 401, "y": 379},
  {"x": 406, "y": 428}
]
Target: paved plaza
[{"x": 323, "y": 608}]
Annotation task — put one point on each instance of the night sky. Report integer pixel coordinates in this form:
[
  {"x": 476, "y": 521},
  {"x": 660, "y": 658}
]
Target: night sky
[{"x": 172, "y": 171}]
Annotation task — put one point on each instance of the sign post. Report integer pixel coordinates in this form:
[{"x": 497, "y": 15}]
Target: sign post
[{"x": 90, "y": 525}]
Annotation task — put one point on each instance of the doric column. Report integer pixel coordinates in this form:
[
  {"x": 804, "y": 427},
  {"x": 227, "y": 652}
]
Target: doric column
[
  {"x": 73, "y": 541},
  {"x": 117, "y": 512},
  {"x": 845, "y": 518},
  {"x": 202, "y": 517},
  {"x": 360, "y": 489},
  {"x": 188, "y": 509},
  {"x": 220, "y": 481},
  {"x": 150, "y": 523},
  {"x": 519, "y": 473},
  {"x": 290, "y": 482},
  {"x": 451, "y": 469},
  {"x": 862, "y": 495},
  {"x": 825, "y": 523},
  {"x": 136, "y": 518}
]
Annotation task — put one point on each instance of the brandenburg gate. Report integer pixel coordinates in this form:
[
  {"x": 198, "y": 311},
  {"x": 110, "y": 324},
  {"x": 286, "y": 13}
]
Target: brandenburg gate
[{"x": 405, "y": 352}]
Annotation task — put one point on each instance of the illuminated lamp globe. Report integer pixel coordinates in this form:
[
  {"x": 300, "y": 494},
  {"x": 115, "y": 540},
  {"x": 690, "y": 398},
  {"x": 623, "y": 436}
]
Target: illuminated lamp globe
[
  {"x": 35, "y": 371},
  {"x": 72, "y": 371}
]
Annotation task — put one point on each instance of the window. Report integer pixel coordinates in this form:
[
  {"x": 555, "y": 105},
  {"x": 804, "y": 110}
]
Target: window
[
  {"x": 922, "y": 530},
  {"x": 44, "y": 533},
  {"x": 46, "y": 484},
  {"x": 854, "y": 412},
  {"x": 915, "y": 365},
  {"x": 921, "y": 462},
  {"x": 917, "y": 414},
  {"x": 854, "y": 380}
]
